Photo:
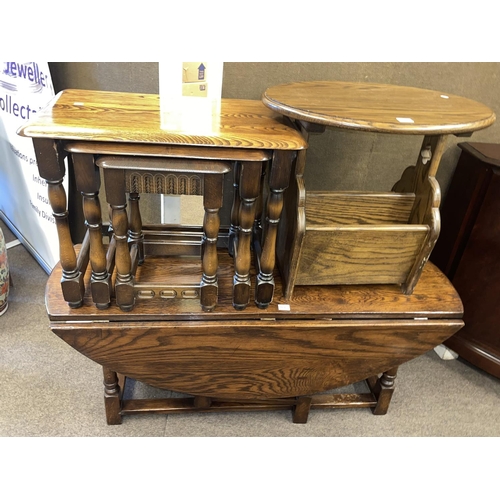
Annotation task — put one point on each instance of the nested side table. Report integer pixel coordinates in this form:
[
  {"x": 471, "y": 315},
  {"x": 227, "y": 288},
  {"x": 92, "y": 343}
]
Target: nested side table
[
  {"x": 89, "y": 124},
  {"x": 367, "y": 238},
  {"x": 121, "y": 175}
]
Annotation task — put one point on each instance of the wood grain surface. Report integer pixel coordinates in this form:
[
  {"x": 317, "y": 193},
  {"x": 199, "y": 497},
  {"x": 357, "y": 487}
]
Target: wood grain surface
[
  {"x": 433, "y": 297},
  {"x": 361, "y": 254},
  {"x": 167, "y": 151},
  {"x": 376, "y": 107},
  {"x": 88, "y": 115},
  {"x": 325, "y": 208},
  {"x": 254, "y": 359},
  {"x": 164, "y": 164}
]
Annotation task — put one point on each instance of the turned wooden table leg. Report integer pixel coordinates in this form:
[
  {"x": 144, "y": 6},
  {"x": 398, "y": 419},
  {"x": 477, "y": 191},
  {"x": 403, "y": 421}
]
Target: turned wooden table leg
[
  {"x": 88, "y": 182},
  {"x": 112, "y": 401},
  {"x": 51, "y": 167},
  {"x": 249, "y": 191},
  {"x": 258, "y": 225},
  {"x": 235, "y": 209},
  {"x": 212, "y": 202},
  {"x": 135, "y": 233},
  {"x": 279, "y": 177},
  {"x": 115, "y": 194},
  {"x": 383, "y": 389}
]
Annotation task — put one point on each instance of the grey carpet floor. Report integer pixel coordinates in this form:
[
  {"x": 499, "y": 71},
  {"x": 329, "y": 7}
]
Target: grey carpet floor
[{"x": 49, "y": 389}]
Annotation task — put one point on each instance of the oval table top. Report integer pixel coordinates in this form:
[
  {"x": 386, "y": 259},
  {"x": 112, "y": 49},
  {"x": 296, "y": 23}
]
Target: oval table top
[
  {"x": 123, "y": 117},
  {"x": 374, "y": 107}
]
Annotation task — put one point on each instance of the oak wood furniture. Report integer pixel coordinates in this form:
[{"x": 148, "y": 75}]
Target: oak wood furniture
[
  {"x": 467, "y": 252},
  {"x": 122, "y": 174},
  {"x": 281, "y": 353},
  {"x": 287, "y": 356},
  {"x": 127, "y": 126},
  {"x": 359, "y": 237}
]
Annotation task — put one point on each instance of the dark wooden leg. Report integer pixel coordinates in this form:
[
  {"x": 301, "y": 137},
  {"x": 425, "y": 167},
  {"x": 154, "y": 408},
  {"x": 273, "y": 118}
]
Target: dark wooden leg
[
  {"x": 212, "y": 201},
  {"x": 259, "y": 223},
  {"x": 124, "y": 284},
  {"x": 51, "y": 167},
  {"x": 279, "y": 176},
  {"x": 202, "y": 402},
  {"x": 235, "y": 209},
  {"x": 249, "y": 191},
  {"x": 77, "y": 224},
  {"x": 88, "y": 182},
  {"x": 383, "y": 389},
  {"x": 110, "y": 219},
  {"x": 135, "y": 225},
  {"x": 115, "y": 194},
  {"x": 301, "y": 410},
  {"x": 112, "y": 402}
]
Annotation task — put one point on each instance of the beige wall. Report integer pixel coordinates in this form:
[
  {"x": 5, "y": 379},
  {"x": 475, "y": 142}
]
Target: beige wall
[{"x": 337, "y": 159}]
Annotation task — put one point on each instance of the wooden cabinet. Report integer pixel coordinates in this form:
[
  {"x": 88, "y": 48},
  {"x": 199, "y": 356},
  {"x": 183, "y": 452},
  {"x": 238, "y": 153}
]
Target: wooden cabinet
[{"x": 468, "y": 252}]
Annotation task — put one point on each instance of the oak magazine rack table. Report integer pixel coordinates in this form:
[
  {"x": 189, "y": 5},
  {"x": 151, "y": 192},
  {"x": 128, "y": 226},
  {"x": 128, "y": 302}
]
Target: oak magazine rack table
[
  {"x": 275, "y": 352},
  {"x": 351, "y": 237}
]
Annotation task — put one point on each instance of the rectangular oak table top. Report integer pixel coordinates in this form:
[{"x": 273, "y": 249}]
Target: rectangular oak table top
[{"x": 87, "y": 115}]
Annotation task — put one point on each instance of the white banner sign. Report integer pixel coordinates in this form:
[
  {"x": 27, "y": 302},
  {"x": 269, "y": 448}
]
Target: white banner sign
[{"x": 25, "y": 88}]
